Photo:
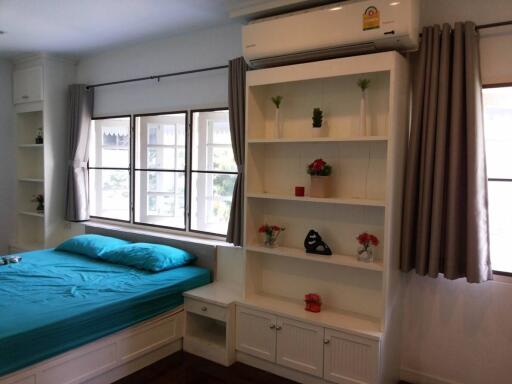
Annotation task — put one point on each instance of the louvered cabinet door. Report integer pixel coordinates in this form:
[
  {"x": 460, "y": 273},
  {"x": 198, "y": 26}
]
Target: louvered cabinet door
[
  {"x": 350, "y": 359},
  {"x": 256, "y": 333},
  {"x": 300, "y": 346}
]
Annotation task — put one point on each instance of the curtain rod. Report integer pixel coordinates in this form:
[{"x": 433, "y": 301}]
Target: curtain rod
[
  {"x": 494, "y": 25},
  {"x": 156, "y": 77}
]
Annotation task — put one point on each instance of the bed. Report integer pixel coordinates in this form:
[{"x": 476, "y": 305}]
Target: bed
[{"x": 67, "y": 318}]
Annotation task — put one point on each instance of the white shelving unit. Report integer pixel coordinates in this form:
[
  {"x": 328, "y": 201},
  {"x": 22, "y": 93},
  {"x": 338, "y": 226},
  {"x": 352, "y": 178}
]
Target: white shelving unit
[
  {"x": 40, "y": 97},
  {"x": 360, "y": 300}
]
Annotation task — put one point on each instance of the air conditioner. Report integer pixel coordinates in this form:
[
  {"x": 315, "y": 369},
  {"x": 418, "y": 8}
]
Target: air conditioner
[{"x": 334, "y": 30}]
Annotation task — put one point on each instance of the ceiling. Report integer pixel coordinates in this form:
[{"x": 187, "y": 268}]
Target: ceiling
[{"x": 81, "y": 27}]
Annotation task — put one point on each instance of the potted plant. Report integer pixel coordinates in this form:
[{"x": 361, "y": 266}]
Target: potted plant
[
  {"x": 270, "y": 234},
  {"x": 363, "y": 84},
  {"x": 39, "y": 199},
  {"x": 278, "y": 122},
  {"x": 365, "y": 251},
  {"x": 318, "y": 117},
  {"x": 39, "y": 137},
  {"x": 320, "y": 173}
]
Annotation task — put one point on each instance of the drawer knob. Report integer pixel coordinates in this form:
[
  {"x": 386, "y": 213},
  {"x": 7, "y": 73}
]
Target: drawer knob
[
  {"x": 24, "y": 97},
  {"x": 272, "y": 326},
  {"x": 278, "y": 327},
  {"x": 204, "y": 309},
  {"x": 327, "y": 341}
]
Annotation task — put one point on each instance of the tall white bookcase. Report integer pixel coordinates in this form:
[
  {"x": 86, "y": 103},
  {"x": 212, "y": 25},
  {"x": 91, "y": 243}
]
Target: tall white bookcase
[
  {"x": 40, "y": 85},
  {"x": 361, "y": 301}
]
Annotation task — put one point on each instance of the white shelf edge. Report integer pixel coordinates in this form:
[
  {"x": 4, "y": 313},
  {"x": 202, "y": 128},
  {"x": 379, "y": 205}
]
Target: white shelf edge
[
  {"x": 324, "y": 200},
  {"x": 318, "y": 140},
  {"x": 341, "y": 260},
  {"x": 30, "y": 180},
  {"x": 32, "y": 213},
  {"x": 36, "y": 146},
  {"x": 344, "y": 321}
]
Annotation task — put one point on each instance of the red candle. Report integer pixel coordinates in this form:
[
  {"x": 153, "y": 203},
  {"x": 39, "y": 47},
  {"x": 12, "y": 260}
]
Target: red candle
[{"x": 299, "y": 191}]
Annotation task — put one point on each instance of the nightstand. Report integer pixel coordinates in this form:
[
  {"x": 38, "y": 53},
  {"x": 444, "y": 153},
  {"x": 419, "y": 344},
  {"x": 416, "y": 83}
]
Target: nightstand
[{"x": 210, "y": 322}]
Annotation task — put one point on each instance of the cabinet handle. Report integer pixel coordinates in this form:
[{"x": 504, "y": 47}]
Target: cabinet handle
[
  {"x": 327, "y": 341},
  {"x": 204, "y": 309},
  {"x": 278, "y": 328},
  {"x": 272, "y": 326},
  {"x": 24, "y": 97}
]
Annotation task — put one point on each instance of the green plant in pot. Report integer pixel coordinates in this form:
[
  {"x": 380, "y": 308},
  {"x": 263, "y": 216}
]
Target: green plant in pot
[
  {"x": 39, "y": 199},
  {"x": 318, "y": 120}
]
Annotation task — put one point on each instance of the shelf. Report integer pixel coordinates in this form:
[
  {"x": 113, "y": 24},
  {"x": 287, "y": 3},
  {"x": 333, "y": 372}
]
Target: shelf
[
  {"x": 318, "y": 140},
  {"x": 324, "y": 200},
  {"x": 33, "y": 246},
  {"x": 331, "y": 318},
  {"x": 35, "y": 146},
  {"x": 30, "y": 180},
  {"x": 32, "y": 213},
  {"x": 346, "y": 261}
]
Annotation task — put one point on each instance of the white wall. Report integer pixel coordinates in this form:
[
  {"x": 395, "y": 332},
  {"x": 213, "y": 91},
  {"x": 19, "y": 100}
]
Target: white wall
[
  {"x": 454, "y": 331},
  {"x": 204, "y": 48},
  {"x": 7, "y": 153}
]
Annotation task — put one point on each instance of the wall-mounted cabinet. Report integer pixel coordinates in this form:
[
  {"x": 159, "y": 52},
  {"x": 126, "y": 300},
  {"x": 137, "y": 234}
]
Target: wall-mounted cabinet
[
  {"x": 359, "y": 298},
  {"x": 28, "y": 85}
]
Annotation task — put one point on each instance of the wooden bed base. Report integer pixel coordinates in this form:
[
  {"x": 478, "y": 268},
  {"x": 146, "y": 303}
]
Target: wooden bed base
[{"x": 109, "y": 358}]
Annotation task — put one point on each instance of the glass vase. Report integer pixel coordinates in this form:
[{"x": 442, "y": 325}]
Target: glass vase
[{"x": 365, "y": 254}]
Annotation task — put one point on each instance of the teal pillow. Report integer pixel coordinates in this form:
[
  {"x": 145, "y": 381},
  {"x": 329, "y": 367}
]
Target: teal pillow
[
  {"x": 93, "y": 246},
  {"x": 150, "y": 257}
]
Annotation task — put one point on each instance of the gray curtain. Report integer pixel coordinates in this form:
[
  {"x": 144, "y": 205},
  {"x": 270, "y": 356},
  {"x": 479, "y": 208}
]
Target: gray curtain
[
  {"x": 79, "y": 113},
  {"x": 445, "y": 220},
  {"x": 237, "y": 71}
]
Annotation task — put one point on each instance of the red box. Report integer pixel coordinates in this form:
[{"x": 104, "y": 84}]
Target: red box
[
  {"x": 313, "y": 302},
  {"x": 299, "y": 191}
]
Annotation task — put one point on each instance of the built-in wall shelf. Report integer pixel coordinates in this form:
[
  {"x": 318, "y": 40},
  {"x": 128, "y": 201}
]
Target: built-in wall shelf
[
  {"x": 324, "y": 200},
  {"x": 328, "y": 317},
  {"x": 30, "y": 180},
  {"x": 32, "y": 213},
  {"x": 341, "y": 260},
  {"x": 318, "y": 140},
  {"x": 29, "y": 146}
]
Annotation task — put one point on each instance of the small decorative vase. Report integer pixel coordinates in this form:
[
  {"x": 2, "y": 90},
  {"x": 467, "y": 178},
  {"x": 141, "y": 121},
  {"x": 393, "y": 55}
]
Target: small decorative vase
[
  {"x": 270, "y": 241},
  {"x": 278, "y": 124},
  {"x": 40, "y": 207},
  {"x": 318, "y": 132},
  {"x": 39, "y": 140},
  {"x": 364, "y": 130},
  {"x": 320, "y": 186},
  {"x": 365, "y": 254}
]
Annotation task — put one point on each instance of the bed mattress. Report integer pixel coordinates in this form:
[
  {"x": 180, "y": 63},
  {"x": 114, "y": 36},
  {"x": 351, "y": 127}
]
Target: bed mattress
[{"x": 54, "y": 301}]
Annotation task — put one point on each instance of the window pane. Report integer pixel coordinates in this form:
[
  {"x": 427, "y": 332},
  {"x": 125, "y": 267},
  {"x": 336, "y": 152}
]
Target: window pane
[
  {"x": 211, "y": 142},
  {"x": 109, "y": 143},
  {"x": 498, "y": 131},
  {"x": 160, "y": 141},
  {"x": 211, "y": 201},
  {"x": 160, "y": 198},
  {"x": 109, "y": 195},
  {"x": 500, "y": 219}
]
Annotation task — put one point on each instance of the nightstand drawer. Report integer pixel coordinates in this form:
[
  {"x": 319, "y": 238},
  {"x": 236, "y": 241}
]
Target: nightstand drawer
[{"x": 205, "y": 309}]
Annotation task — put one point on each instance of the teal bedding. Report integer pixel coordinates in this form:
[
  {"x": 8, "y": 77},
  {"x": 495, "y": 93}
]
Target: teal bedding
[{"x": 55, "y": 301}]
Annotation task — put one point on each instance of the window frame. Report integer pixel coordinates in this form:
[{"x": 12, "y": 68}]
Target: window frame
[
  {"x": 191, "y": 161},
  {"x": 185, "y": 171},
  {"x": 188, "y": 173},
  {"x": 129, "y": 169},
  {"x": 493, "y": 179}
]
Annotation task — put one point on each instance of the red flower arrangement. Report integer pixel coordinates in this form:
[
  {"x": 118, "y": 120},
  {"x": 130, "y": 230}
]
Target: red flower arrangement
[
  {"x": 319, "y": 168},
  {"x": 271, "y": 233},
  {"x": 366, "y": 239}
]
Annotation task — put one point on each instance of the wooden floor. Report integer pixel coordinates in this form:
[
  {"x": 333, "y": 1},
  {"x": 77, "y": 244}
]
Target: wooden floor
[{"x": 183, "y": 368}]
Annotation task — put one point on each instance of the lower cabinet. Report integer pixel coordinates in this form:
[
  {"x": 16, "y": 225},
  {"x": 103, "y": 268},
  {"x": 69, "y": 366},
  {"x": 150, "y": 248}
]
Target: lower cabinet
[{"x": 322, "y": 352}]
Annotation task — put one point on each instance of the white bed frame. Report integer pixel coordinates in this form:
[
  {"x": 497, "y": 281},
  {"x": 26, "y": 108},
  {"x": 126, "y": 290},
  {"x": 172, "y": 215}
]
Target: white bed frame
[{"x": 120, "y": 354}]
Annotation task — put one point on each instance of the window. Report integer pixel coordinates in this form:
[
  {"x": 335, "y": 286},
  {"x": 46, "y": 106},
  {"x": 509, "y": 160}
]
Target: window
[
  {"x": 498, "y": 138},
  {"x": 109, "y": 168},
  {"x": 213, "y": 171},
  {"x": 179, "y": 175}
]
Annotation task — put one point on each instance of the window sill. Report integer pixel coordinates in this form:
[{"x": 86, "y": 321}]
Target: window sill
[{"x": 164, "y": 234}]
